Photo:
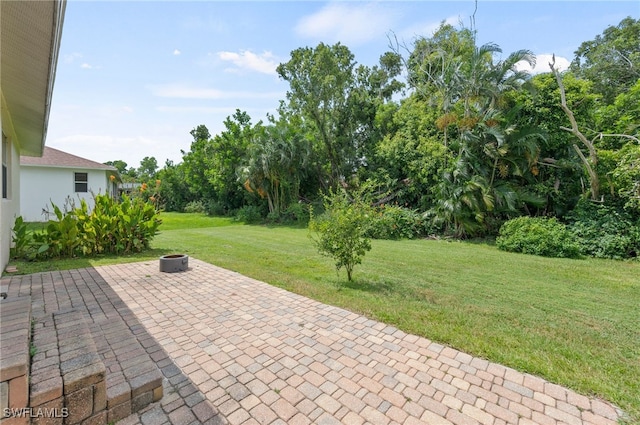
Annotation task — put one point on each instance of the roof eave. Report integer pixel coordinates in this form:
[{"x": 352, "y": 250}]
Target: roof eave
[
  {"x": 75, "y": 167},
  {"x": 56, "y": 37},
  {"x": 31, "y": 37}
]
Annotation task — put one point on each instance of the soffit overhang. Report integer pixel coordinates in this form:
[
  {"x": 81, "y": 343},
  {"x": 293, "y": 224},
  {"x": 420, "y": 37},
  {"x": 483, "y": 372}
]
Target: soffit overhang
[{"x": 30, "y": 33}]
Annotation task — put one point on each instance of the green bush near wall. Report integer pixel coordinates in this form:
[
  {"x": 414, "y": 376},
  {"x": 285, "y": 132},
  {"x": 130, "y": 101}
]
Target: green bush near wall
[
  {"x": 539, "y": 236},
  {"x": 113, "y": 226}
]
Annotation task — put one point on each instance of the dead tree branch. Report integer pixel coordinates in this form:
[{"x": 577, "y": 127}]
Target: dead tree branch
[{"x": 592, "y": 161}]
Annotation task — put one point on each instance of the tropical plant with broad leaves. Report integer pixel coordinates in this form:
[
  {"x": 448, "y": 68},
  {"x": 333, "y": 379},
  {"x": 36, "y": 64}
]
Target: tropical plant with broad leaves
[
  {"x": 491, "y": 157},
  {"x": 278, "y": 157}
]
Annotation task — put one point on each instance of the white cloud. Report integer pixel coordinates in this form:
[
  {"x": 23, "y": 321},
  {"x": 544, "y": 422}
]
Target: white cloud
[
  {"x": 348, "y": 23},
  {"x": 264, "y": 63},
  {"x": 184, "y": 91},
  {"x": 176, "y": 52},
  {"x": 71, "y": 57},
  {"x": 86, "y": 66},
  {"x": 542, "y": 64}
]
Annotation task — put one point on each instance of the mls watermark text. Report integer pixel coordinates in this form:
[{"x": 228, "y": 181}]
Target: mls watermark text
[{"x": 30, "y": 412}]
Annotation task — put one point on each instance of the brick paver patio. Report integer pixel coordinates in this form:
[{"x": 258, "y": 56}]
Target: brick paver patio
[{"x": 239, "y": 351}]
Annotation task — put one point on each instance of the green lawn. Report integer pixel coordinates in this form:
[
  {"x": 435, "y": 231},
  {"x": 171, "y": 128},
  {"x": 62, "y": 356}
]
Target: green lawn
[{"x": 573, "y": 322}]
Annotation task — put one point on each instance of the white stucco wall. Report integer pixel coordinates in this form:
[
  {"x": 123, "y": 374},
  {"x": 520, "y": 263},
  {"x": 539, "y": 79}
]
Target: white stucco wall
[
  {"x": 42, "y": 185},
  {"x": 9, "y": 207},
  {"x": 4, "y": 226}
]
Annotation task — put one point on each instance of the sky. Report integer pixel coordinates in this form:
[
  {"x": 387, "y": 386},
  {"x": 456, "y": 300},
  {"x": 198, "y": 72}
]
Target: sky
[{"x": 135, "y": 77}]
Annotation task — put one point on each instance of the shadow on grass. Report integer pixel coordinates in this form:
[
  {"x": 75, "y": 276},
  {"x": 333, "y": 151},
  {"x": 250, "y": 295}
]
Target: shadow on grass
[
  {"x": 286, "y": 225},
  {"x": 359, "y": 284},
  {"x": 389, "y": 288},
  {"x": 489, "y": 241}
]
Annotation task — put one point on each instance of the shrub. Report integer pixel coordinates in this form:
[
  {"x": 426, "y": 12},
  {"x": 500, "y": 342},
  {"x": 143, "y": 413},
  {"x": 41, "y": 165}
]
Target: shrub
[
  {"x": 194, "y": 207},
  {"x": 340, "y": 232},
  {"x": 539, "y": 236},
  {"x": 605, "y": 231},
  {"x": 297, "y": 212},
  {"x": 123, "y": 227},
  {"x": 215, "y": 208},
  {"x": 20, "y": 238},
  {"x": 111, "y": 227},
  {"x": 394, "y": 222},
  {"x": 249, "y": 214},
  {"x": 62, "y": 235}
]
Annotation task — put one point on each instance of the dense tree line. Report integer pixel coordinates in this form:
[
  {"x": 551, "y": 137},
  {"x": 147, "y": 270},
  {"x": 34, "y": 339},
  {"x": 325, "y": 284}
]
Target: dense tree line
[{"x": 467, "y": 139}]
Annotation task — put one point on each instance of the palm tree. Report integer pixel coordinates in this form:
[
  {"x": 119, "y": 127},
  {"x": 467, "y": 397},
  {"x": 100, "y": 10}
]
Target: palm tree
[
  {"x": 277, "y": 161},
  {"x": 470, "y": 88}
]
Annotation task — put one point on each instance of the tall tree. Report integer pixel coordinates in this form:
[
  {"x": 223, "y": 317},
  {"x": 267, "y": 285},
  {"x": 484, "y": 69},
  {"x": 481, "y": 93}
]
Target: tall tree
[
  {"x": 211, "y": 164},
  {"x": 228, "y": 152},
  {"x": 201, "y": 132},
  {"x": 370, "y": 102},
  {"x": 611, "y": 61},
  {"x": 338, "y": 102},
  {"x": 195, "y": 164},
  {"x": 120, "y": 165},
  {"x": 454, "y": 73},
  {"x": 276, "y": 163},
  {"x": 320, "y": 81},
  {"x": 434, "y": 61},
  {"x": 468, "y": 87},
  {"x": 148, "y": 167},
  {"x": 174, "y": 193},
  {"x": 127, "y": 174}
]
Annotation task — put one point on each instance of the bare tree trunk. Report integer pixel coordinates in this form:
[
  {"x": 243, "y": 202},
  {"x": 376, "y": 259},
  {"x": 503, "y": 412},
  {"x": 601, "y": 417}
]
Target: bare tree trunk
[{"x": 592, "y": 161}]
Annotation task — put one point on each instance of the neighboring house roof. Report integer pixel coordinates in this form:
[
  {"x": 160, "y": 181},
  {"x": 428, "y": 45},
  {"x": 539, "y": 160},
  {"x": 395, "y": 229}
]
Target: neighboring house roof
[
  {"x": 30, "y": 33},
  {"x": 55, "y": 158},
  {"x": 129, "y": 186}
]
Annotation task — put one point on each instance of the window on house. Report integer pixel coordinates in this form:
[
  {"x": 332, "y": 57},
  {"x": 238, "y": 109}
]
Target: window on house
[
  {"x": 5, "y": 167},
  {"x": 81, "y": 182}
]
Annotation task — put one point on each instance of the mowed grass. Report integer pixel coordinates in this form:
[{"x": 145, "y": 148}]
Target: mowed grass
[{"x": 573, "y": 322}]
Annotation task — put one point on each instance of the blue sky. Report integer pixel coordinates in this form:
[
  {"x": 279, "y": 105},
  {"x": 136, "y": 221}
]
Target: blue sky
[{"x": 134, "y": 78}]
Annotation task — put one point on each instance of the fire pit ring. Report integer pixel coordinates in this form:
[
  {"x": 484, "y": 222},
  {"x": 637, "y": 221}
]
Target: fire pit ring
[{"x": 174, "y": 263}]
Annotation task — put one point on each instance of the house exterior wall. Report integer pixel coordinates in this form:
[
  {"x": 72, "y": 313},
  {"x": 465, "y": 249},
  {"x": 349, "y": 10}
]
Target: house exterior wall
[
  {"x": 30, "y": 39},
  {"x": 5, "y": 243},
  {"x": 42, "y": 185},
  {"x": 9, "y": 206}
]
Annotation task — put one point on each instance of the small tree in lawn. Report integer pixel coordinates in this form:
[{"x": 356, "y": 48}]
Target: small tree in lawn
[{"x": 340, "y": 230}]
